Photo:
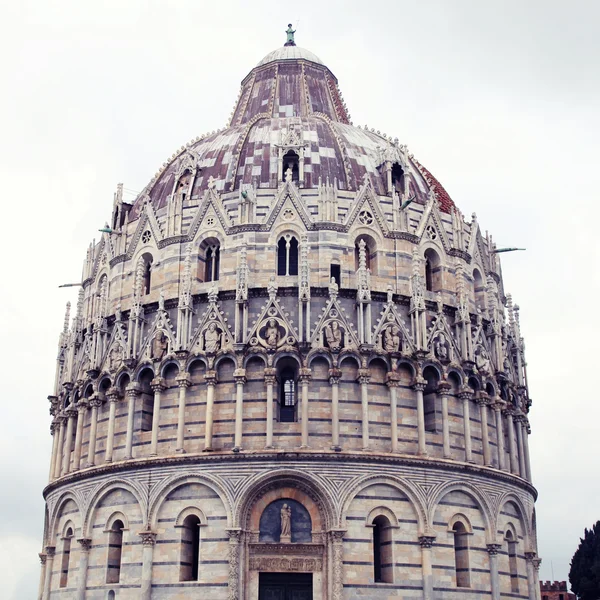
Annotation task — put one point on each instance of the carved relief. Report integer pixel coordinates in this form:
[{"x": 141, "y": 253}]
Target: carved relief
[{"x": 284, "y": 564}]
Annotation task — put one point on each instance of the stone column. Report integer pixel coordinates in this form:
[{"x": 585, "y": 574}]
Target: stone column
[
  {"x": 184, "y": 382},
  {"x": 465, "y": 395},
  {"x": 419, "y": 386},
  {"x": 426, "y": 542},
  {"x": 363, "y": 378},
  {"x": 493, "y": 550},
  {"x": 55, "y": 431},
  {"x": 40, "y": 593},
  {"x": 304, "y": 381},
  {"x": 521, "y": 449},
  {"x": 235, "y": 538},
  {"x": 158, "y": 386},
  {"x": 211, "y": 382},
  {"x": 84, "y": 557},
  {"x": 133, "y": 391},
  {"x": 240, "y": 380},
  {"x": 50, "y": 550},
  {"x": 95, "y": 404},
  {"x": 393, "y": 382},
  {"x": 443, "y": 389},
  {"x": 514, "y": 463},
  {"x": 334, "y": 382},
  {"x": 498, "y": 407},
  {"x": 270, "y": 382},
  {"x": 148, "y": 541},
  {"x": 536, "y": 577},
  {"x": 61, "y": 419},
  {"x": 337, "y": 567},
  {"x": 526, "y": 432},
  {"x": 113, "y": 397},
  {"x": 483, "y": 400},
  {"x": 82, "y": 406},
  {"x": 71, "y": 413},
  {"x": 529, "y": 557}
]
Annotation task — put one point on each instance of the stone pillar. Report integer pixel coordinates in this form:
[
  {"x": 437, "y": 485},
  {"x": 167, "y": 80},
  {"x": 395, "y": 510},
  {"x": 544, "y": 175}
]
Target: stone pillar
[
  {"x": 334, "y": 382},
  {"x": 133, "y": 391},
  {"x": 50, "y": 550},
  {"x": 240, "y": 380},
  {"x": 95, "y": 402},
  {"x": 521, "y": 449},
  {"x": 536, "y": 577},
  {"x": 337, "y": 567},
  {"x": 465, "y": 395},
  {"x": 363, "y": 378},
  {"x": 61, "y": 419},
  {"x": 526, "y": 432},
  {"x": 40, "y": 593},
  {"x": 158, "y": 386},
  {"x": 514, "y": 463},
  {"x": 443, "y": 389},
  {"x": 184, "y": 382},
  {"x": 270, "y": 382},
  {"x": 55, "y": 431},
  {"x": 235, "y": 538},
  {"x": 82, "y": 406},
  {"x": 529, "y": 557},
  {"x": 483, "y": 400},
  {"x": 71, "y": 413},
  {"x": 393, "y": 382},
  {"x": 84, "y": 557},
  {"x": 304, "y": 381},
  {"x": 148, "y": 541},
  {"x": 211, "y": 382},
  {"x": 113, "y": 397},
  {"x": 426, "y": 542},
  {"x": 419, "y": 386},
  {"x": 498, "y": 406},
  {"x": 493, "y": 550}
]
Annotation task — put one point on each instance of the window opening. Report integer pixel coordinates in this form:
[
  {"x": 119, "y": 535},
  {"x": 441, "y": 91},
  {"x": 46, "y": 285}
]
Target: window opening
[
  {"x": 287, "y": 400},
  {"x": 398, "y": 178},
  {"x": 383, "y": 567},
  {"x": 64, "y": 569},
  {"x": 115, "y": 550},
  {"x": 291, "y": 161},
  {"x": 335, "y": 272},
  {"x": 190, "y": 549},
  {"x": 287, "y": 256},
  {"x": 512, "y": 561},
  {"x": 461, "y": 555},
  {"x": 147, "y": 276}
]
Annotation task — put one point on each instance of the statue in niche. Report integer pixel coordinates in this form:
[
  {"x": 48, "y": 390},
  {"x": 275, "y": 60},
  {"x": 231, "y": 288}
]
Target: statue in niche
[
  {"x": 482, "y": 360},
  {"x": 333, "y": 335},
  {"x": 115, "y": 357},
  {"x": 160, "y": 343},
  {"x": 212, "y": 338},
  {"x": 333, "y": 288},
  {"x": 272, "y": 333},
  {"x": 391, "y": 339},
  {"x": 288, "y": 174},
  {"x": 286, "y": 521},
  {"x": 440, "y": 348}
]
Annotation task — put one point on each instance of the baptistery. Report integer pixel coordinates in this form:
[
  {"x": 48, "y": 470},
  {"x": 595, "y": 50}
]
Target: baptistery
[{"x": 293, "y": 373}]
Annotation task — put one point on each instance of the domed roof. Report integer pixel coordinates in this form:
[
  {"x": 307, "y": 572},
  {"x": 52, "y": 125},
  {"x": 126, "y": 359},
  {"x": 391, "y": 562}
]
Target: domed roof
[{"x": 290, "y": 53}]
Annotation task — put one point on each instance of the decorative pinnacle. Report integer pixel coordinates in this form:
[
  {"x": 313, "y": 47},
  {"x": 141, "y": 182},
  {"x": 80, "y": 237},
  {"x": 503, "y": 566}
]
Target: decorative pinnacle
[{"x": 290, "y": 36}]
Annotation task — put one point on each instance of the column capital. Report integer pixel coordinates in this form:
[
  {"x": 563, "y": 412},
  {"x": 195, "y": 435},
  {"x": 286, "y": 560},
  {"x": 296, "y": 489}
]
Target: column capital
[
  {"x": 148, "y": 538},
  {"x": 482, "y": 399},
  {"x": 43, "y": 557},
  {"x": 133, "y": 389},
  {"x": 426, "y": 541},
  {"x": 113, "y": 394},
  {"x": 392, "y": 379},
  {"x": 494, "y": 549},
  {"x": 337, "y": 535},
  {"x": 54, "y": 426},
  {"x": 305, "y": 375},
  {"x": 71, "y": 411},
  {"x": 239, "y": 376},
  {"x": 210, "y": 377},
  {"x": 235, "y": 535},
  {"x": 85, "y": 543},
  {"x": 270, "y": 373},
  {"x": 536, "y": 563},
  {"x": 183, "y": 380},
  {"x": 158, "y": 384},
  {"x": 82, "y": 405},
  {"x": 530, "y": 556},
  {"x": 498, "y": 404},
  {"x": 465, "y": 393},
  {"x": 335, "y": 375},
  {"x": 364, "y": 375},
  {"x": 50, "y": 550},
  {"x": 419, "y": 384},
  {"x": 444, "y": 387}
]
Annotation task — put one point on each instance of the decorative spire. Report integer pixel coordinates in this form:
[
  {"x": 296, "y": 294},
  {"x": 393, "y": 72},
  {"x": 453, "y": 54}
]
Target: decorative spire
[
  {"x": 290, "y": 36},
  {"x": 185, "y": 300},
  {"x": 304, "y": 291}
]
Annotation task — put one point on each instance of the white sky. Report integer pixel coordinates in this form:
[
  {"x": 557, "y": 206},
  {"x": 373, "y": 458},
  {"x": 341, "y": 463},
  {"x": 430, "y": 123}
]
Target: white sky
[{"x": 499, "y": 99}]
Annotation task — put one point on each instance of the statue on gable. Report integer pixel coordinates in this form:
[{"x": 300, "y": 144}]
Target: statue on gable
[
  {"x": 482, "y": 360},
  {"x": 159, "y": 347},
  {"x": 391, "y": 339},
  {"x": 272, "y": 333},
  {"x": 212, "y": 338},
  {"x": 334, "y": 336},
  {"x": 441, "y": 348}
]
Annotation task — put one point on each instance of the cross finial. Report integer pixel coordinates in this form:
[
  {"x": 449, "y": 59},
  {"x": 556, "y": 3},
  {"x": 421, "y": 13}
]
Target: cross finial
[{"x": 290, "y": 36}]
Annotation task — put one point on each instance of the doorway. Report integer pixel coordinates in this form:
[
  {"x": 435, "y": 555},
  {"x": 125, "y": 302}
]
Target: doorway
[{"x": 285, "y": 586}]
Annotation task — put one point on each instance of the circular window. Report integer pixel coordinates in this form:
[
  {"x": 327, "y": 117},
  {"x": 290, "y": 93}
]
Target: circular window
[
  {"x": 146, "y": 236},
  {"x": 365, "y": 217},
  {"x": 431, "y": 232},
  {"x": 288, "y": 214},
  {"x": 210, "y": 221}
]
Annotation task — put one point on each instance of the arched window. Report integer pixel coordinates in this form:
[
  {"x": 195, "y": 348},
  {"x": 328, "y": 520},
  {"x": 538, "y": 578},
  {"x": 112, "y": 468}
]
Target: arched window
[
  {"x": 433, "y": 272},
  {"x": 111, "y": 595},
  {"x": 147, "y": 274},
  {"x": 370, "y": 253},
  {"x": 383, "y": 566},
  {"x": 147, "y": 397},
  {"x": 461, "y": 555},
  {"x": 190, "y": 549},
  {"x": 479, "y": 289},
  {"x": 212, "y": 263},
  {"x": 115, "y": 551},
  {"x": 291, "y": 161},
  {"x": 287, "y": 396},
  {"x": 397, "y": 178},
  {"x": 66, "y": 555},
  {"x": 433, "y": 417},
  {"x": 512, "y": 561},
  {"x": 287, "y": 255}
]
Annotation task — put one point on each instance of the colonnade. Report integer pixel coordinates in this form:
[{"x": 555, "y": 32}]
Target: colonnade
[{"x": 65, "y": 460}]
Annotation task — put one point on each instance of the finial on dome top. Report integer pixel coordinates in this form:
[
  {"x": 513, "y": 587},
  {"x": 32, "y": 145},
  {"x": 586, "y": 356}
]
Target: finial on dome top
[{"x": 290, "y": 36}]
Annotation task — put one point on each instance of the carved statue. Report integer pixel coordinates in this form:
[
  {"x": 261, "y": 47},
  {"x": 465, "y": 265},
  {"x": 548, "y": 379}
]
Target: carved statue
[
  {"x": 160, "y": 344},
  {"x": 288, "y": 174},
  {"x": 286, "y": 521},
  {"x": 333, "y": 288},
  {"x": 440, "y": 348},
  {"x": 115, "y": 357},
  {"x": 212, "y": 339},
  {"x": 482, "y": 359},
  {"x": 333, "y": 335},
  {"x": 391, "y": 339},
  {"x": 272, "y": 333}
]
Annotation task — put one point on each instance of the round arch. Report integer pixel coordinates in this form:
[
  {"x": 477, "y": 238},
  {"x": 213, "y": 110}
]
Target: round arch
[
  {"x": 55, "y": 514},
  {"x": 523, "y": 512},
  {"x": 318, "y": 353}
]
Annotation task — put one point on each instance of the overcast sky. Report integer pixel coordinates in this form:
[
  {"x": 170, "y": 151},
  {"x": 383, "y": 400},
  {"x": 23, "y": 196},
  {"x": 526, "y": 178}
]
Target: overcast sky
[{"x": 499, "y": 99}]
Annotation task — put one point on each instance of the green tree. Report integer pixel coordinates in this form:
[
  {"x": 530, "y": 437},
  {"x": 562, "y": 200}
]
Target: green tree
[{"x": 585, "y": 566}]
